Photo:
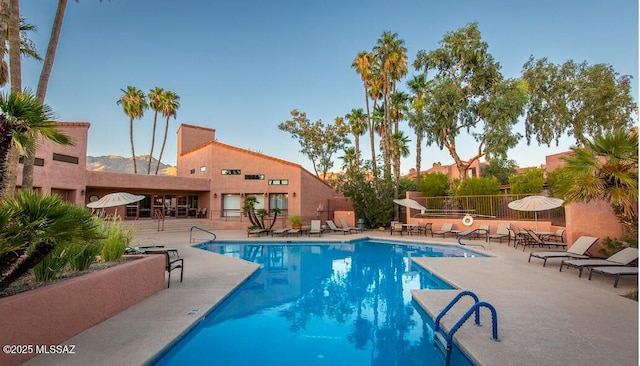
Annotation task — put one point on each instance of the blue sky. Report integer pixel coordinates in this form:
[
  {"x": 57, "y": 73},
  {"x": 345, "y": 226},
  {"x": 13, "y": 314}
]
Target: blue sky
[{"x": 241, "y": 66}]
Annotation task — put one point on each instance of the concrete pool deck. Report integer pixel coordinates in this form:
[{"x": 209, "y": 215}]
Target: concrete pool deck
[{"x": 546, "y": 317}]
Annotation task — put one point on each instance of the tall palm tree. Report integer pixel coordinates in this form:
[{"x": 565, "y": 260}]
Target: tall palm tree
[
  {"x": 4, "y": 26},
  {"x": 21, "y": 115},
  {"x": 155, "y": 102},
  {"x": 362, "y": 64},
  {"x": 358, "y": 124},
  {"x": 607, "y": 169},
  {"x": 417, "y": 115},
  {"x": 399, "y": 149},
  {"x": 349, "y": 159},
  {"x": 134, "y": 103},
  {"x": 170, "y": 105},
  {"x": 391, "y": 57}
]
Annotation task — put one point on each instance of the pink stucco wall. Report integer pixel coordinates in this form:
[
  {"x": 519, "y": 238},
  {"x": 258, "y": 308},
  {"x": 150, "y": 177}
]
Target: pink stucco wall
[
  {"x": 55, "y": 313},
  {"x": 595, "y": 218}
]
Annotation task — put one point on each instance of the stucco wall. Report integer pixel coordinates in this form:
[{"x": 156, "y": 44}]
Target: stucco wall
[
  {"x": 55, "y": 313},
  {"x": 595, "y": 218}
]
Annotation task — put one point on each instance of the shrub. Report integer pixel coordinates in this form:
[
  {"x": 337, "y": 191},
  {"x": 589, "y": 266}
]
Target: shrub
[
  {"x": 434, "y": 185},
  {"x": 83, "y": 255},
  {"x": 115, "y": 242},
  {"x": 530, "y": 181},
  {"x": 478, "y": 186},
  {"x": 52, "y": 265}
]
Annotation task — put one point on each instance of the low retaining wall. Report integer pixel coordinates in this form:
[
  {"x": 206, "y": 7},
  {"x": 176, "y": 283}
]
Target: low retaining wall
[{"x": 52, "y": 314}]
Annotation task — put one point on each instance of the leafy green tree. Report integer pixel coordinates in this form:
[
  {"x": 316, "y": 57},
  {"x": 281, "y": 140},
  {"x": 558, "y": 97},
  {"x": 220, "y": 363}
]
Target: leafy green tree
[
  {"x": 358, "y": 125},
  {"x": 580, "y": 100},
  {"x": 607, "y": 169},
  {"x": 529, "y": 181},
  {"x": 375, "y": 207},
  {"x": 318, "y": 141},
  {"x": 478, "y": 186},
  {"x": 434, "y": 185},
  {"x": 501, "y": 169},
  {"x": 33, "y": 225},
  {"x": 22, "y": 117},
  {"x": 134, "y": 103},
  {"x": 558, "y": 182},
  {"x": 469, "y": 94},
  {"x": 170, "y": 103}
]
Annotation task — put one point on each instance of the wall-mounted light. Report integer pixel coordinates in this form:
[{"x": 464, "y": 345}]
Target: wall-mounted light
[
  {"x": 241, "y": 194},
  {"x": 266, "y": 194},
  {"x": 215, "y": 195},
  {"x": 82, "y": 192},
  {"x": 294, "y": 194}
]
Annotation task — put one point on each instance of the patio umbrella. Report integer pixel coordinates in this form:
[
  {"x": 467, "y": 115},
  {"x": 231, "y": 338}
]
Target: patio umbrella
[
  {"x": 115, "y": 199},
  {"x": 407, "y": 202},
  {"x": 535, "y": 204}
]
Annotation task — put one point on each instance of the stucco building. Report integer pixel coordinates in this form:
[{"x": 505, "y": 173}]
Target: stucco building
[{"x": 213, "y": 180}]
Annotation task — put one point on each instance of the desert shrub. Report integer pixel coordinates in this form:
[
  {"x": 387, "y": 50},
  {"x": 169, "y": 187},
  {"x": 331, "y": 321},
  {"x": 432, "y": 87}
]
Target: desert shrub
[
  {"x": 531, "y": 181},
  {"x": 52, "y": 265},
  {"x": 612, "y": 246},
  {"x": 434, "y": 185},
  {"x": 83, "y": 255},
  {"x": 478, "y": 186},
  {"x": 115, "y": 241}
]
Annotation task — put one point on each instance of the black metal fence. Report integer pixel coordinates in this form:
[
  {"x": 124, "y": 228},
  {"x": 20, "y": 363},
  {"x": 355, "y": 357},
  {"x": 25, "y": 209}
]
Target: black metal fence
[{"x": 485, "y": 207}]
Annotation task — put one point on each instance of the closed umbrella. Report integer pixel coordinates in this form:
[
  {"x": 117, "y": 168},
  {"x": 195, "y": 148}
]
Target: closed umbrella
[
  {"x": 535, "y": 204},
  {"x": 408, "y": 202}
]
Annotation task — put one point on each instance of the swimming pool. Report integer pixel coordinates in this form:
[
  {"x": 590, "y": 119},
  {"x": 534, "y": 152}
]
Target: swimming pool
[{"x": 328, "y": 303}]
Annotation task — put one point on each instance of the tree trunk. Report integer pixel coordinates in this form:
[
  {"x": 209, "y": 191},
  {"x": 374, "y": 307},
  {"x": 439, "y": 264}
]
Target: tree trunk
[
  {"x": 15, "y": 69},
  {"x": 164, "y": 141},
  {"x": 418, "y": 156},
  {"x": 133, "y": 150},
  {"x": 4, "y": 25},
  {"x": 153, "y": 141},
  {"x": 28, "y": 263},
  {"x": 356, "y": 137},
  {"x": 374, "y": 164},
  {"x": 5, "y": 148},
  {"x": 11, "y": 172}
]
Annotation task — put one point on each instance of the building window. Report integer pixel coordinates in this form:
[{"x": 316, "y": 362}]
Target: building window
[
  {"x": 278, "y": 182},
  {"x": 231, "y": 204},
  {"x": 281, "y": 201},
  {"x": 203, "y": 168},
  {"x": 192, "y": 171},
  {"x": 36, "y": 162},
  {"x": 230, "y": 172},
  {"x": 254, "y": 176},
  {"x": 65, "y": 158}
]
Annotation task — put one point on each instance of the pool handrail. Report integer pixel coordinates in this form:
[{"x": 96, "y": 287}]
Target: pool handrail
[
  {"x": 191, "y": 240},
  {"x": 473, "y": 244}
]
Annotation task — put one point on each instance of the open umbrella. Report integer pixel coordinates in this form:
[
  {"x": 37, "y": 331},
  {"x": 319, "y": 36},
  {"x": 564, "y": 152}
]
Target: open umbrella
[
  {"x": 407, "y": 202},
  {"x": 535, "y": 204},
  {"x": 114, "y": 200}
]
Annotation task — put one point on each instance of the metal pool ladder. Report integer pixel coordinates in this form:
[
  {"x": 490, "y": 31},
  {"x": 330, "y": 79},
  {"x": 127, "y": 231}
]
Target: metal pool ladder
[
  {"x": 191, "y": 240},
  {"x": 445, "y": 339}
]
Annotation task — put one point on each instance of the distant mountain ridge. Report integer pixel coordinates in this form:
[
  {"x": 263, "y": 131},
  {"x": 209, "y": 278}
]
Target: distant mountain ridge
[{"x": 120, "y": 164}]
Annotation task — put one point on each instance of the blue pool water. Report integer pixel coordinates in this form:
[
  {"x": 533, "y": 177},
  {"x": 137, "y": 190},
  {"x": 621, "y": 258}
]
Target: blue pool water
[{"x": 320, "y": 304}]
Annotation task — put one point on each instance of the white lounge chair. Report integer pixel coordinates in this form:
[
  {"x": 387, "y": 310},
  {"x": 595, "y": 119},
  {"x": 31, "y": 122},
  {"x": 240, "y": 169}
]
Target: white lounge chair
[
  {"x": 620, "y": 259},
  {"x": 577, "y": 250},
  {"x": 444, "y": 230},
  {"x": 615, "y": 272},
  {"x": 315, "y": 228},
  {"x": 502, "y": 232},
  {"x": 346, "y": 226},
  {"x": 334, "y": 228}
]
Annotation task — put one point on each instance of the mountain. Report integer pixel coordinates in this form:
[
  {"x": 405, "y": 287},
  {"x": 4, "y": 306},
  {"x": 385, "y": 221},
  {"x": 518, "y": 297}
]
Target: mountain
[{"x": 120, "y": 164}]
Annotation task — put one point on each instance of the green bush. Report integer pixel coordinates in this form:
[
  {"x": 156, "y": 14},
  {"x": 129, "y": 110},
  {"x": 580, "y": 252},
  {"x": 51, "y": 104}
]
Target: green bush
[
  {"x": 52, "y": 266},
  {"x": 531, "y": 181},
  {"x": 115, "y": 242},
  {"x": 83, "y": 255},
  {"x": 478, "y": 187},
  {"x": 434, "y": 185}
]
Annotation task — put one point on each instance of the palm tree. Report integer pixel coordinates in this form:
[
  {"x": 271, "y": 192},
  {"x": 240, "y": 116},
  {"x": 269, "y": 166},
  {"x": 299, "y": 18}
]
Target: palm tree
[
  {"x": 607, "y": 169},
  {"x": 362, "y": 64},
  {"x": 134, "y": 103},
  {"x": 391, "y": 57},
  {"x": 23, "y": 116},
  {"x": 155, "y": 102},
  {"x": 348, "y": 159},
  {"x": 400, "y": 149},
  {"x": 417, "y": 116},
  {"x": 170, "y": 105},
  {"x": 358, "y": 123},
  {"x": 27, "y": 49}
]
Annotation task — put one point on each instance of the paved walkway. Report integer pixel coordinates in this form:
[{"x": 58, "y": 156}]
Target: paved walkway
[{"x": 546, "y": 317}]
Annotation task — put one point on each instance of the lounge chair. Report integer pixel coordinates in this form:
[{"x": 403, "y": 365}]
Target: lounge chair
[
  {"x": 502, "y": 232},
  {"x": 620, "y": 259},
  {"x": 315, "y": 228},
  {"x": 346, "y": 226},
  {"x": 257, "y": 232},
  {"x": 518, "y": 236},
  {"x": 334, "y": 228},
  {"x": 295, "y": 232},
  {"x": 534, "y": 239},
  {"x": 577, "y": 250},
  {"x": 396, "y": 227},
  {"x": 280, "y": 232},
  {"x": 444, "y": 229},
  {"x": 614, "y": 271}
]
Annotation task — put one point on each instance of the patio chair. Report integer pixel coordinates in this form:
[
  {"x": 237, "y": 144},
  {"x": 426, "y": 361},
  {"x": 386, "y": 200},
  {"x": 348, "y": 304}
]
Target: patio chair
[
  {"x": 502, "y": 232},
  {"x": 622, "y": 258},
  {"x": 334, "y": 228},
  {"x": 173, "y": 264},
  {"x": 615, "y": 272},
  {"x": 257, "y": 232},
  {"x": 346, "y": 226},
  {"x": 428, "y": 227},
  {"x": 444, "y": 230},
  {"x": 518, "y": 236},
  {"x": 577, "y": 250},
  {"x": 533, "y": 239},
  {"x": 315, "y": 228},
  {"x": 558, "y": 236},
  {"x": 396, "y": 227},
  {"x": 295, "y": 232}
]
